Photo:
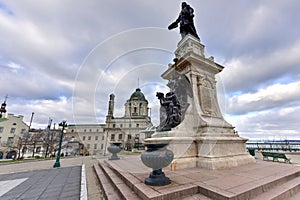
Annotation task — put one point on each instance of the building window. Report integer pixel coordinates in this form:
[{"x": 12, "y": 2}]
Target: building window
[
  {"x": 121, "y": 125},
  {"x": 72, "y": 130},
  {"x": 84, "y": 130},
  {"x": 14, "y": 124},
  {"x": 12, "y": 130},
  {"x": 102, "y": 137},
  {"x": 10, "y": 141},
  {"x": 89, "y": 138},
  {"x": 114, "y": 125},
  {"x": 112, "y": 137},
  {"x": 83, "y": 138},
  {"x": 88, "y": 146},
  {"x": 97, "y": 130},
  {"x": 91, "y": 130},
  {"x": 137, "y": 125},
  {"x": 96, "y": 137},
  {"x": 95, "y": 146},
  {"x": 38, "y": 150},
  {"x": 129, "y": 137},
  {"x": 1, "y": 129},
  {"x": 101, "y": 146},
  {"x": 120, "y": 136},
  {"x": 129, "y": 125}
]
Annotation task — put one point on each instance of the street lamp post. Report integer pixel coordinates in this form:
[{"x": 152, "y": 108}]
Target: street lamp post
[{"x": 63, "y": 124}]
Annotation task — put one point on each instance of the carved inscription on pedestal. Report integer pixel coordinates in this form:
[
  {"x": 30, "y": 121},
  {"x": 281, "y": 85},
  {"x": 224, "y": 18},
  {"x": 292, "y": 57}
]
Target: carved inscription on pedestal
[{"x": 206, "y": 95}]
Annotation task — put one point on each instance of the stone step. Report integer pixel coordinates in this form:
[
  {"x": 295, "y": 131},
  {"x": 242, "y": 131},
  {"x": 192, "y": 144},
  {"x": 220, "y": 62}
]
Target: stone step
[
  {"x": 148, "y": 193},
  {"x": 279, "y": 181},
  {"x": 262, "y": 186},
  {"x": 251, "y": 189},
  {"x": 295, "y": 196},
  {"x": 197, "y": 197},
  {"x": 281, "y": 192},
  {"x": 109, "y": 191},
  {"x": 123, "y": 191}
]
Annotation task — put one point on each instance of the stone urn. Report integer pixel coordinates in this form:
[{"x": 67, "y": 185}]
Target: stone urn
[
  {"x": 157, "y": 156},
  {"x": 114, "y": 148}
]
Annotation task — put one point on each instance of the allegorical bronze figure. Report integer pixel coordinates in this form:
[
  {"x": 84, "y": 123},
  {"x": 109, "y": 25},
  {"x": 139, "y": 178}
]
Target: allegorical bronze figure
[
  {"x": 186, "y": 21},
  {"x": 175, "y": 103},
  {"x": 172, "y": 111}
]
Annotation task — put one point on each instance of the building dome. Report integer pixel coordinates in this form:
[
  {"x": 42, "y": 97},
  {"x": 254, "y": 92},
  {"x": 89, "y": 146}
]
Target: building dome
[{"x": 137, "y": 95}]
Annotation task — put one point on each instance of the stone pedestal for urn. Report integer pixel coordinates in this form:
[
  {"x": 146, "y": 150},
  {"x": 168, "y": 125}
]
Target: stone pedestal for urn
[
  {"x": 157, "y": 156},
  {"x": 114, "y": 148},
  {"x": 204, "y": 138}
]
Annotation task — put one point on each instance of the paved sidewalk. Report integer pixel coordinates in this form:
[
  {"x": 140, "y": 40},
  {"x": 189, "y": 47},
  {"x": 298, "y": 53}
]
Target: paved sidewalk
[
  {"x": 17, "y": 175},
  {"x": 50, "y": 184}
]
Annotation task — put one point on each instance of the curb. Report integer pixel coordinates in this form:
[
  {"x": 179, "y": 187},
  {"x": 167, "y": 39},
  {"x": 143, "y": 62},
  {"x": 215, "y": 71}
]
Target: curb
[{"x": 83, "y": 191}]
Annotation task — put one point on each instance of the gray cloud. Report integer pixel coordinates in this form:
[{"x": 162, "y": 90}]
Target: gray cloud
[
  {"x": 45, "y": 49},
  {"x": 259, "y": 71},
  {"x": 275, "y": 96}
]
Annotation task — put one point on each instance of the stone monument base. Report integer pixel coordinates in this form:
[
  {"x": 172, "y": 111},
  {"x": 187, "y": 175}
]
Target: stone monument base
[
  {"x": 222, "y": 152},
  {"x": 206, "y": 152}
]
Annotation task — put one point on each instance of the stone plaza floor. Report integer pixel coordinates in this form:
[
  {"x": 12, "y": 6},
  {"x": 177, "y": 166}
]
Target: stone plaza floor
[{"x": 261, "y": 180}]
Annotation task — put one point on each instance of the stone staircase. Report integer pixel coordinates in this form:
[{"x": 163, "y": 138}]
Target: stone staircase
[
  {"x": 120, "y": 184},
  {"x": 112, "y": 186},
  {"x": 285, "y": 190}
]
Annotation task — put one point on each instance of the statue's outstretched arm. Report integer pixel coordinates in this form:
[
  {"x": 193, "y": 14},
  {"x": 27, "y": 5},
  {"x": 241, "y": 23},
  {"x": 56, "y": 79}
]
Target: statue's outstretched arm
[{"x": 174, "y": 24}]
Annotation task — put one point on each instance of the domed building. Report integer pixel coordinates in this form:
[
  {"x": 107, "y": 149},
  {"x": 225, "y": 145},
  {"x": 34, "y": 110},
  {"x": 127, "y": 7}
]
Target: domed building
[
  {"x": 127, "y": 129},
  {"x": 137, "y": 105}
]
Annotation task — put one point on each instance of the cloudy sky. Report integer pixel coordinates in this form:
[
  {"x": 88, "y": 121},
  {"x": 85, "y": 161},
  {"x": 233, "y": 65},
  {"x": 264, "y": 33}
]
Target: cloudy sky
[{"x": 62, "y": 59}]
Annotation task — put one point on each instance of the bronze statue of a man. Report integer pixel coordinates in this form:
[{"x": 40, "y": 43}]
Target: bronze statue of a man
[{"x": 186, "y": 21}]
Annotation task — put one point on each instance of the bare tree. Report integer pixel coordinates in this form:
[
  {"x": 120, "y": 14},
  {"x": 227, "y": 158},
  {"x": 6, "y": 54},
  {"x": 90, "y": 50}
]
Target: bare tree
[
  {"x": 20, "y": 147},
  {"x": 35, "y": 139},
  {"x": 21, "y": 144},
  {"x": 50, "y": 138}
]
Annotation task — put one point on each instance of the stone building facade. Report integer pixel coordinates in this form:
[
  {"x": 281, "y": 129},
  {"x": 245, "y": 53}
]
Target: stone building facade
[
  {"x": 90, "y": 135},
  {"x": 12, "y": 127},
  {"x": 127, "y": 130}
]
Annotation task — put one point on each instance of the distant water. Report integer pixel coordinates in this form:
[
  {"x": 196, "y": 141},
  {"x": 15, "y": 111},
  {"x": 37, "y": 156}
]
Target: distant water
[{"x": 273, "y": 141}]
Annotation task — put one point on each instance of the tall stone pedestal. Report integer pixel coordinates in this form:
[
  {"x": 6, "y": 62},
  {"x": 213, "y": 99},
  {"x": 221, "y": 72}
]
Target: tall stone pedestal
[{"x": 204, "y": 138}]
